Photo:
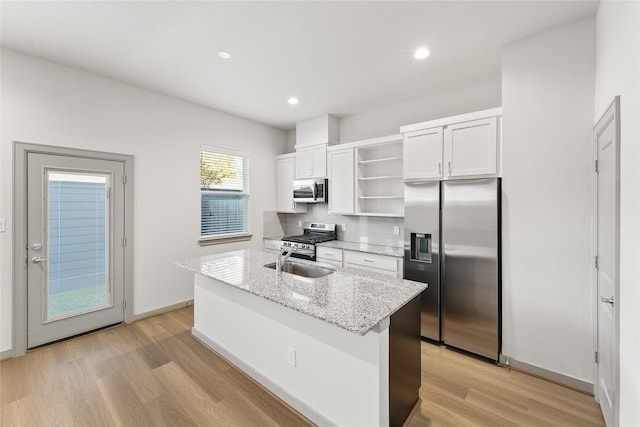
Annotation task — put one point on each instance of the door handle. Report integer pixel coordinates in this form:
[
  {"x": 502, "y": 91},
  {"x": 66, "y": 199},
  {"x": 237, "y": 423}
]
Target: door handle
[
  {"x": 609, "y": 300},
  {"x": 37, "y": 259}
]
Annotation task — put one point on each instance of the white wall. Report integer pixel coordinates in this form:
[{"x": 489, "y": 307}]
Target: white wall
[
  {"x": 547, "y": 101},
  {"x": 387, "y": 120},
  {"x": 618, "y": 73},
  {"x": 46, "y": 103}
]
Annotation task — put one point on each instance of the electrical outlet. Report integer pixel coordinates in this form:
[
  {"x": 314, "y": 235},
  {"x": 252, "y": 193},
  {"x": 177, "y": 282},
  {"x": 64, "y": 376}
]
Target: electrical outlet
[
  {"x": 291, "y": 356},
  {"x": 396, "y": 230},
  {"x": 299, "y": 224},
  {"x": 344, "y": 227}
]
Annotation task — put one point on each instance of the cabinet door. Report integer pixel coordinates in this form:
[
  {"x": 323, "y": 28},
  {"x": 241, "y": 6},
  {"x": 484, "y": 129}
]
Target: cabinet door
[
  {"x": 371, "y": 262},
  {"x": 284, "y": 186},
  {"x": 422, "y": 154},
  {"x": 341, "y": 181},
  {"x": 471, "y": 148},
  {"x": 319, "y": 161},
  {"x": 311, "y": 162},
  {"x": 304, "y": 163}
]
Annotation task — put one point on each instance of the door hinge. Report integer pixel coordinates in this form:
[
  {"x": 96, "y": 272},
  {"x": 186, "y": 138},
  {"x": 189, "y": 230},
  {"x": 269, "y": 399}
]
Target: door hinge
[
  {"x": 597, "y": 360},
  {"x": 124, "y": 179},
  {"x": 597, "y": 167},
  {"x": 124, "y": 242},
  {"x": 124, "y": 304},
  {"x": 596, "y": 261}
]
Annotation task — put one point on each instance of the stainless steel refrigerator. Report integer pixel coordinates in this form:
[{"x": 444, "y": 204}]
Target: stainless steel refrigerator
[{"x": 452, "y": 242}]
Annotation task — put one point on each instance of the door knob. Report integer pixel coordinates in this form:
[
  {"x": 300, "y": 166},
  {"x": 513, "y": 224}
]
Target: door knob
[
  {"x": 37, "y": 259},
  {"x": 609, "y": 300}
]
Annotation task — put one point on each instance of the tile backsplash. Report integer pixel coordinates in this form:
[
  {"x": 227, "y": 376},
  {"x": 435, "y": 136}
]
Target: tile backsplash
[{"x": 362, "y": 229}]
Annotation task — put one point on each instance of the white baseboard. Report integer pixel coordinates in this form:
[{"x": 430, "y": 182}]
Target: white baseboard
[
  {"x": 565, "y": 380},
  {"x": 8, "y": 354},
  {"x": 296, "y": 403},
  {"x": 161, "y": 310}
]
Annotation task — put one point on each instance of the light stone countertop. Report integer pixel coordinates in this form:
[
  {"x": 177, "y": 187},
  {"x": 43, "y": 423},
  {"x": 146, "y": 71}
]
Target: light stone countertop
[
  {"x": 393, "y": 251},
  {"x": 351, "y": 299}
]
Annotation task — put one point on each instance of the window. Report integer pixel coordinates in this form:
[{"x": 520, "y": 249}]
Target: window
[{"x": 224, "y": 194}]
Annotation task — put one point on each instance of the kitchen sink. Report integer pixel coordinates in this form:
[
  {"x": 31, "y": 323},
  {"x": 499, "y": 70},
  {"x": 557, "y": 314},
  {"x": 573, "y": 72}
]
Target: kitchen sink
[{"x": 304, "y": 270}]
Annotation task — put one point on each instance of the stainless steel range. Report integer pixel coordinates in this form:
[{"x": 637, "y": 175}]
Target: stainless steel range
[{"x": 305, "y": 244}]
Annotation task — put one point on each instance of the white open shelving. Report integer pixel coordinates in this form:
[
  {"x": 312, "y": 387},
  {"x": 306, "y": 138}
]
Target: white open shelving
[{"x": 379, "y": 187}]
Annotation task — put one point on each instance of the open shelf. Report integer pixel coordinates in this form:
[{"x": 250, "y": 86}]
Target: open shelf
[
  {"x": 380, "y": 197},
  {"x": 383, "y": 160},
  {"x": 379, "y": 187},
  {"x": 370, "y": 178},
  {"x": 394, "y": 215}
]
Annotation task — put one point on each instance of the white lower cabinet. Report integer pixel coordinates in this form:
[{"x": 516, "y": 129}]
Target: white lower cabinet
[
  {"x": 372, "y": 262},
  {"x": 330, "y": 256}
]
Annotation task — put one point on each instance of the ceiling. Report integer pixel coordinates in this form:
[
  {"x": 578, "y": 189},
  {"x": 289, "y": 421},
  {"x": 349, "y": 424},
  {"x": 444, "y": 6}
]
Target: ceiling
[{"x": 337, "y": 57}]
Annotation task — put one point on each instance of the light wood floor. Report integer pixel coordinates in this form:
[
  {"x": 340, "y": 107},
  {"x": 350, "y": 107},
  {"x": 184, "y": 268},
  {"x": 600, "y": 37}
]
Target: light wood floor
[{"x": 153, "y": 373}]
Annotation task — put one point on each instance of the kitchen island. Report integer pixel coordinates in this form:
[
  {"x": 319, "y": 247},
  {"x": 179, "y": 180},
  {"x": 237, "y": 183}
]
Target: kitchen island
[{"x": 343, "y": 349}]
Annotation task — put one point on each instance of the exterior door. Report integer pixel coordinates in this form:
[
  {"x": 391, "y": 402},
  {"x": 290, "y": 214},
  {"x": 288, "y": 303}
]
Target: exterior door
[
  {"x": 75, "y": 256},
  {"x": 608, "y": 237}
]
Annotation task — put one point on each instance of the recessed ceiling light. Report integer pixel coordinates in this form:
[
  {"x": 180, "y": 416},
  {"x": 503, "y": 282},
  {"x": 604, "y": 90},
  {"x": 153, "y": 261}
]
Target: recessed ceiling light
[
  {"x": 293, "y": 100},
  {"x": 224, "y": 55},
  {"x": 421, "y": 53}
]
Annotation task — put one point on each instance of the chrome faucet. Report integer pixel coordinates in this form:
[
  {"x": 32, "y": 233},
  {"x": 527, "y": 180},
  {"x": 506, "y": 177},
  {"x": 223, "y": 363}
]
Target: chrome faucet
[{"x": 280, "y": 261}]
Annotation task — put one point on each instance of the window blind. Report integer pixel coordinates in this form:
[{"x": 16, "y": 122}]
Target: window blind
[{"x": 224, "y": 193}]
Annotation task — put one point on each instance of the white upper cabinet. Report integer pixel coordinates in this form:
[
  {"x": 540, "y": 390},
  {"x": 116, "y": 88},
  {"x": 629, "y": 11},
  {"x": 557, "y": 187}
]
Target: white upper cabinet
[
  {"x": 319, "y": 130},
  {"x": 422, "y": 154},
  {"x": 313, "y": 136},
  {"x": 365, "y": 177},
  {"x": 463, "y": 146},
  {"x": 341, "y": 181},
  {"x": 471, "y": 148},
  {"x": 285, "y": 167},
  {"x": 311, "y": 162}
]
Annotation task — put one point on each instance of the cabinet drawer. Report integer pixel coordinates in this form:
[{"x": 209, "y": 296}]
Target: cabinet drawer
[
  {"x": 329, "y": 253},
  {"x": 329, "y": 261},
  {"x": 378, "y": 262}
]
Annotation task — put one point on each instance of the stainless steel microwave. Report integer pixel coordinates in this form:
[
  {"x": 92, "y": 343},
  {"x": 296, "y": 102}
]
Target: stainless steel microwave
[{"x": 310, "y": 190}]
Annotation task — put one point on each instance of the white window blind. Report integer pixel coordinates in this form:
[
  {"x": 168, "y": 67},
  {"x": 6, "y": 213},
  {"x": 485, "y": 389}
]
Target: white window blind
[{"x": 224, "y": 193}]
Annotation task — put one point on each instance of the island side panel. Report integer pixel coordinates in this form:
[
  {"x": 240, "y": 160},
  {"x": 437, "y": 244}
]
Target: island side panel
[
  {"x": 339, "y": 378},
  {"x": 404, "y": 361}
]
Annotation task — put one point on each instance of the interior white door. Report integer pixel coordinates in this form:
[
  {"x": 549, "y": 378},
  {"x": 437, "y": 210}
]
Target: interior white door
[
  {"x": 75, "y": 256},
  {"x": 608, "y": 237}
]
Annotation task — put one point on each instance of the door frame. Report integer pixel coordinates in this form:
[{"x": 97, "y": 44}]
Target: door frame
[
  {"x": 20, "y": 152},
  {"x": 613, "y": 109}
]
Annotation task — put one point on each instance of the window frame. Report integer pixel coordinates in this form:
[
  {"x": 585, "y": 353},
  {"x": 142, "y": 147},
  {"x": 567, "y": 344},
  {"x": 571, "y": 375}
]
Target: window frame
[{"x": 205, "y": 240}]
